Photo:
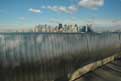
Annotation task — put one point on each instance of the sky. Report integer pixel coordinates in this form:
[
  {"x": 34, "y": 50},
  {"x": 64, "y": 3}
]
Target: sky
[{"x": 28, "y": 13}]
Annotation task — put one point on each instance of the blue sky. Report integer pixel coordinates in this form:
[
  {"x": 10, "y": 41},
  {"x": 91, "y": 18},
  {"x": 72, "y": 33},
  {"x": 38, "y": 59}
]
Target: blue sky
[{"x": 28, "y": 13}]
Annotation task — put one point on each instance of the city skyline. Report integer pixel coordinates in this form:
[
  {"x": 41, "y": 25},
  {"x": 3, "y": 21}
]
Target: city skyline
[{"x": 28, "y": 13}]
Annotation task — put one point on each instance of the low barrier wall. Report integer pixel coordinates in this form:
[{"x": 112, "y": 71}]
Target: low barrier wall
[{"x": 48, "y": 56}]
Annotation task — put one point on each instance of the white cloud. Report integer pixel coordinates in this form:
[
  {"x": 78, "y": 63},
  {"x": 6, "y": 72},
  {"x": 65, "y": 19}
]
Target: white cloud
[
  {"x": 91, "y": 4},
  {"x": 35, "y": 10},
  {"x": 53, "y": 8},
  {"x": 72, "y": 8},
  {"x": 64, "y": 9}
]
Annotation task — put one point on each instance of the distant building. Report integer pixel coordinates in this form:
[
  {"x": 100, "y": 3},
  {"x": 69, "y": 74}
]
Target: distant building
[
  {"x": 89, "y": 29},
  {"x": 76, "y": 28},
  {"x": 86, "y": 29},
  {"x": 63, "y": 28},
  {"x": 60, "y": 28},
  {"x": 83, "y": 29}
]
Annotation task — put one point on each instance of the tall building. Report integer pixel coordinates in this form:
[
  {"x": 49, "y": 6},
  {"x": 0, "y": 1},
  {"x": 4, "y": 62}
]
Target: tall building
[
  {"x": 83, "y": 29},
  {"x": 75, "y": 28},
  {"x": 65, "y": 28},
  {"x": 60, "y": 26},
  {"x": 89, "y": 29}
]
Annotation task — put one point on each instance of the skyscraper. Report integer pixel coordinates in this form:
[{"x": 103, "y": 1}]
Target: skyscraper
[
  {"x": 83, "y": 29},
  {"x": 89, "y": 29},
  {"x": 60, "y": 26}
]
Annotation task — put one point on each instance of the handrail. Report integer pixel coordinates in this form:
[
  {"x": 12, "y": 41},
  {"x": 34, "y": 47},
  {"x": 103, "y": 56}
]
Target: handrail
[{"x": 92, "y": 66}]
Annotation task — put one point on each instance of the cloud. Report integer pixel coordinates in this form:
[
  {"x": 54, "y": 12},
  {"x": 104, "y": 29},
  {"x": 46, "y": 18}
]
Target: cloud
[
  {"x": 91, "y": 4},
  {"x": 34, "y": 10},
  {"x": 72, "y": 8},
  {"x": 64, "y": 9}
]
